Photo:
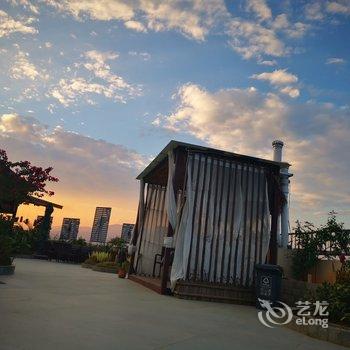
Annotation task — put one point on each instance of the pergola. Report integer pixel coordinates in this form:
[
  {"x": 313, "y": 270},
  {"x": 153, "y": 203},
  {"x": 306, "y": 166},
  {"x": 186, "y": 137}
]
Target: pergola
[
  {"x": 209, "y": 216},
  {"x": 10, "y": 205}
]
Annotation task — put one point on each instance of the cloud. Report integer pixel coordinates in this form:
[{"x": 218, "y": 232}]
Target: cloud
[
  {"x": 314, "y": 11},
  {"x": 91, "y": 172},
  {"x": 339, "y": 7},
  {"x": 246, "y": 121},
  {"x": 8, "y": 25},
  {"x": 103, "y": 82},
  {"x": 135, "y": 25},
  {"x": 251, "y": 39},
  {"x": 293, "y": 30},
  {"x": 290, "y": 91},
  {"x": 260, "y": 8},
  {"x": 27, "y": 5},
  {"x": 277, "y": 77},
  {"x": 335, "y": 60},
  {"x": 268, "y": 62},
  {"x": 22, "y": 68},
  {"x": 103, "y": 10},
  {"x": 320, "y": 10},
  {"x": 192, "y": 18}
]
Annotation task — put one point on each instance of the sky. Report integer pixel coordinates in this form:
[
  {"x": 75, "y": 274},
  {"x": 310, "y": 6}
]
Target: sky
[{"x": 97, "y": 88}]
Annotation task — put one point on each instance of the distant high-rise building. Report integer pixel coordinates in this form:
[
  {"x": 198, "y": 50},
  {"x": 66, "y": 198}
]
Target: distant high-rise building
[
  {"x": 70, "y": 229},
  {"x": 127, "y": 231},
  {"x": 100, "y": 225}
]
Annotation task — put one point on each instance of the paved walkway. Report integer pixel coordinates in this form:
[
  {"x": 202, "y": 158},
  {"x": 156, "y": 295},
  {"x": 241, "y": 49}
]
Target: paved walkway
[{"x": 60, "y": 306}]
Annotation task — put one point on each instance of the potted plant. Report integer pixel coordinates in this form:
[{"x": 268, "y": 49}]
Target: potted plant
[
  {"x": 6, "y": 259},
  {"x": 123, "y": 269}
]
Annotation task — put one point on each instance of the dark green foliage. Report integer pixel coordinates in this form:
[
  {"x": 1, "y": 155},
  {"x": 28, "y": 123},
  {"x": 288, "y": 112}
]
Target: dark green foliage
[
  {"x": 306, "y": 257},
  {"x": 329, "y": 240},
  {"x": 338, "y": 297},
  {"x": 5, "y": 242}
]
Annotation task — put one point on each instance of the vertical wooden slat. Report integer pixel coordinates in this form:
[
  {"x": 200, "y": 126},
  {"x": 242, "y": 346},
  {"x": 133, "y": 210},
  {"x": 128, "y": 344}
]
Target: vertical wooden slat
[
  {"x": 245, "y": 223},
  {"x": 194, "y": 211},
  {"x": 207, "y": 215},
  {"x": 200, "y": 218},
  {"x": 226, "y": 218},
  {"x": 214, "y": 216},
  {"x": 219, "y": 218},
  {"x": 232, "y": 223},
  {"x": 250, "y": 227}
]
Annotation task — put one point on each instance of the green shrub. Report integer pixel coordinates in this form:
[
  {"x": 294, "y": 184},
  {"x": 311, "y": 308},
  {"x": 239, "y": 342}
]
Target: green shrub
[
  {"x": 98, "y": 257},
  {"x": 338, "y": 297}
]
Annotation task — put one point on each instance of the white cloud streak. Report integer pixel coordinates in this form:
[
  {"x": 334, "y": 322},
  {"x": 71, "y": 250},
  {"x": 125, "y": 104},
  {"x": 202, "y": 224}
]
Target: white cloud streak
[{"x": 9, "y": 25}]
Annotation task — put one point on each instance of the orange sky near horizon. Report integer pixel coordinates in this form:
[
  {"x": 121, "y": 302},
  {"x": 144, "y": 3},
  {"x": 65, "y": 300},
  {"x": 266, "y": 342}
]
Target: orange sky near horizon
[{"x": 123, "y": 211}]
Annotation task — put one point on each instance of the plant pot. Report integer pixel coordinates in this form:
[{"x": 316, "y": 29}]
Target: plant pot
[
  {"x": 7, "y": 270},
  {"x": 121, "y": 273}
]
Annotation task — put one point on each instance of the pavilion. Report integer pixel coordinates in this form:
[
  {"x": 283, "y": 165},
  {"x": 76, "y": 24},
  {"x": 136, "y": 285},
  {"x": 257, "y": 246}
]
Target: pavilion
[{"x": 208, "y": 217}]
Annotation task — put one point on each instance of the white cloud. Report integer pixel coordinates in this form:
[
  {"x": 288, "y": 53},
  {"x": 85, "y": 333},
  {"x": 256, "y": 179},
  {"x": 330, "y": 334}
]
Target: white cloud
[
  {"x": 314, "y": 11},
  {"x": 246, "y": 121},
  {"x": 103, "y": 10},
  {"x": 260, "y": 8},
  {"x": 335, "y": 60},
  {"x": 27, "y": 5},
  {"x": 339, "y": 7},
  {"x": 268, "y": 62},
  {"x": 293, "y": 30},
  {"x": 22, "y": 68},
  {"x": 192, "y": 18},
  {"x": 8, "y": 25},
  {"x": 135, "y": 25},
  {"x": 251, "y": 39},
  {"x": 277, "y": 77},
  {"x": 103, "y": 82},
  {"x": 290, "y": 91}
]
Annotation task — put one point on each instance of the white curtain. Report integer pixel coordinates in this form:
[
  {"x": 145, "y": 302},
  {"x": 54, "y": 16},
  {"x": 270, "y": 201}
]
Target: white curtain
[
  {"x": 153, "y": 230},
  {"x": 224, "y": 228},
  {"x": 141, "y": 209}
]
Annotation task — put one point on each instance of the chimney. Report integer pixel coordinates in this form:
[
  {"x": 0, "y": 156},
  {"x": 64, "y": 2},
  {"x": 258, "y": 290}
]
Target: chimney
[
  {"x": 283, "y": 220},
  {"x": 277, "y": 146}
]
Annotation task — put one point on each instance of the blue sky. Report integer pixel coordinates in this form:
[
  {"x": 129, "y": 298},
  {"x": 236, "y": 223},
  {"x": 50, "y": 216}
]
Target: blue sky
[{"x": 97, "y": 88}]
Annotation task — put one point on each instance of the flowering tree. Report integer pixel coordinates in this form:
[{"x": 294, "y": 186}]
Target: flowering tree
[{"x": 20, "y": 179}]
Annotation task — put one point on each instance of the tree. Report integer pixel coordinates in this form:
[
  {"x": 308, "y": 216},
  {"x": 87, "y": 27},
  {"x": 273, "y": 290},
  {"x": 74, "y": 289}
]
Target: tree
[{"x": 20, "y": 179}]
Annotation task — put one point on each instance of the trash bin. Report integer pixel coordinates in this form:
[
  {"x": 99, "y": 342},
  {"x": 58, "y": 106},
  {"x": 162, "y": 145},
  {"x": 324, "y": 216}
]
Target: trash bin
[{"x": 268, "y": 280}]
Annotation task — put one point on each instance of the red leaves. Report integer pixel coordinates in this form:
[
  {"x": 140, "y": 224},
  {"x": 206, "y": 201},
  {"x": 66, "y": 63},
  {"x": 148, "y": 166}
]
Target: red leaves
[{"x": 34, "y": 177}]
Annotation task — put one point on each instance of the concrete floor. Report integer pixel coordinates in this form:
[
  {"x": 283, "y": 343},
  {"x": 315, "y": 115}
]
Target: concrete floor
[{"x": 60, "y": 306}]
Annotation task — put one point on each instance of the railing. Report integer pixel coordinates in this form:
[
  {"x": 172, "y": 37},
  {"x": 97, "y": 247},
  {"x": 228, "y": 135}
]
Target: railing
[{"x": 327, "y": 248}]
